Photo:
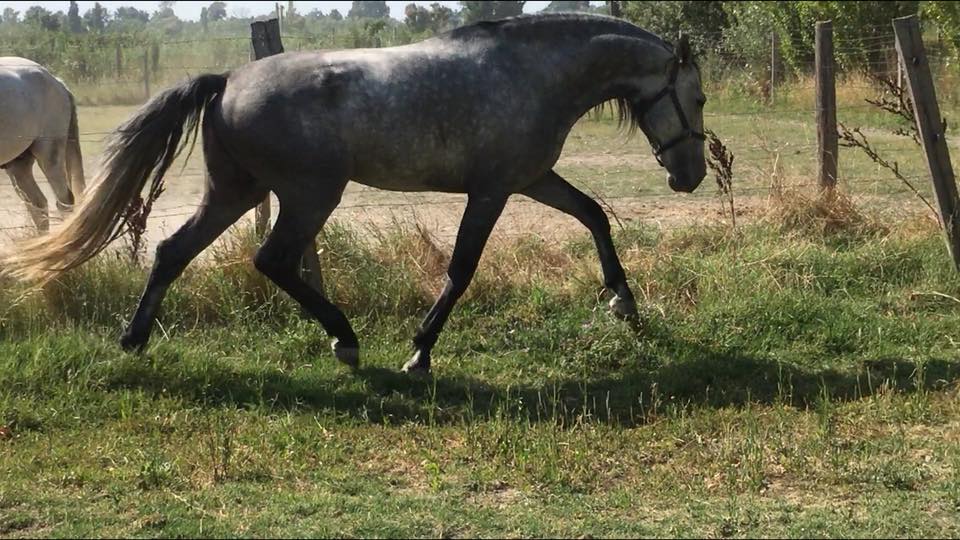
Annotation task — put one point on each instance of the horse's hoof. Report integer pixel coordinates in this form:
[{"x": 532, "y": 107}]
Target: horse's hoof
[
  {"x": 347, "y": 355},
  {"x": 624, "y": 309},
  {"x": 419, "y": 365},
  {"x": 131, "y": 343}
]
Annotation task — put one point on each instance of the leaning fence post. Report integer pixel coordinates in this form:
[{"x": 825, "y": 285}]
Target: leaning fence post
[
  {"x": 265, "y": 37},
  {"x": 931, "y": 127},
  {"x": 827, "y": 145}
]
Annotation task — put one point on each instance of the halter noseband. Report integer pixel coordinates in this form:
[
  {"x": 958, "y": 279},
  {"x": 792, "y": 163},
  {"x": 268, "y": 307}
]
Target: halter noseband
[{"x": 671, "y": 90}]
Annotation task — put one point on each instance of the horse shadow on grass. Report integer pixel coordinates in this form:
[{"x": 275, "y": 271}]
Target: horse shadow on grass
[{"x": 689, "y": 375}]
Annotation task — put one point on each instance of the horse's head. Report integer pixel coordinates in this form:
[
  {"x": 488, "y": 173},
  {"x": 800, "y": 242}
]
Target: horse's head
[{"x": 672, "y": 120}]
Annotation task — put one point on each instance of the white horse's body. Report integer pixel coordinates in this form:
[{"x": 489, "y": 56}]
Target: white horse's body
[{"x": 38, "y": 122}]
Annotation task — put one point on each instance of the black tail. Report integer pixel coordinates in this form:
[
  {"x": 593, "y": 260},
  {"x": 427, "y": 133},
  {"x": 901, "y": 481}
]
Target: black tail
[{"x": 141, "y": 149}]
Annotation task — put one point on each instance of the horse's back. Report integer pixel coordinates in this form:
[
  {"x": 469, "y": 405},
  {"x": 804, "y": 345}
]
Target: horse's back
[
  {"x": 14, "y": 62},
  {"x": 422, "y": 110}
]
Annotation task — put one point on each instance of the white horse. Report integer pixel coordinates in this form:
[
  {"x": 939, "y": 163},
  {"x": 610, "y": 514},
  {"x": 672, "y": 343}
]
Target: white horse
[{"x": 38, "y": 122}]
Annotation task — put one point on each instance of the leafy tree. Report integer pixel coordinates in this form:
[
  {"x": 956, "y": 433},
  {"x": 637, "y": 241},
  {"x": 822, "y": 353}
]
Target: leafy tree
[
  {"x": 96, "y": 18},
  {"x": 10, "y": 16},
  {"x": 292, "y": 18},
  {"x": 165, "y": 10},
  {"x": 435, "y": 18},
  {"x": 945, "y": 16},
  {"x": 369, "y": 9},
  {"x": 39, "y": 17},
  {"x": 217, "y": 11},
  {"x": 74, "y": 22},
  {"x": 441, "y": 17},
  {"x": 131, "y": 14},
  {"x": 335, "y": 15},
  {"x": 417, "y": 18},
  {"x": 567, "y": 5},
  {"x": 165, "y": 20},
  {"x": 486, "y": 11},
  {"x": 858, "y": 24},
  {"x": 127, "y": 20},
  {"x": 703, "y": 21}
]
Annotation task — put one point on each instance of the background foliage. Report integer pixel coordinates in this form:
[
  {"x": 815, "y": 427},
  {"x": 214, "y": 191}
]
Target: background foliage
[{"x": 83, "y": 46}]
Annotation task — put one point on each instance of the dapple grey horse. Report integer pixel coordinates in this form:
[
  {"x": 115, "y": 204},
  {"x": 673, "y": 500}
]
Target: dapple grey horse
[
  {"x": 482, "y": 110},
  {"x": 38, "y": 122}
]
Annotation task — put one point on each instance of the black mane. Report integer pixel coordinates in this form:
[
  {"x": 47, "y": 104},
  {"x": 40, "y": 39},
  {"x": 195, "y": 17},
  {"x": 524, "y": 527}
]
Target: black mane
[{"x": 540, "y": 25}]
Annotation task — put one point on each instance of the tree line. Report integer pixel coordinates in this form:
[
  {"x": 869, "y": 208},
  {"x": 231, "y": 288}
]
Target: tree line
[{"x": 737, "y": 32}]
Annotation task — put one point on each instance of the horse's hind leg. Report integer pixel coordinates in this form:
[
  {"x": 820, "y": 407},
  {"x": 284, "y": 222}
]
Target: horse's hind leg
[
  {"x": 230, "y": 193},
  {"x": 20, "y": 172},
  {"x": 51, "y": 154},
  {"x": 218, "y": 211},
  {"x": 554, "y": 191},
  {"x": 279, "y": 259}
]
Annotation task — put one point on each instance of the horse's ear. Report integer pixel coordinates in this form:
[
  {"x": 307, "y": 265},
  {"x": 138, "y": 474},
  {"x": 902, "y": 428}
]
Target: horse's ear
[{"x": 683, "y": 49}]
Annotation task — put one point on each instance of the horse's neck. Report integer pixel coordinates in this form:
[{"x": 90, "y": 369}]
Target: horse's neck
[{"x": 606, "y": 68}]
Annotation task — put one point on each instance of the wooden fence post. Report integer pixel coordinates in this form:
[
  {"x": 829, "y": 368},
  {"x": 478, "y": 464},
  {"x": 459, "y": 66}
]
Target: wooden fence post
[
  {"x": 265, "y": 36},
  {"x": 614, "y": 6},
  {"x": 931, "y": 127},
  {"x": 146, "y": 74},
  {"x": 827, "y": 145},
  {"x": 155, "y": 57},
  {"x": 119, "y": 59},
  {"x": 899, "y": 83},
  {"x": 773, "y": 64}
]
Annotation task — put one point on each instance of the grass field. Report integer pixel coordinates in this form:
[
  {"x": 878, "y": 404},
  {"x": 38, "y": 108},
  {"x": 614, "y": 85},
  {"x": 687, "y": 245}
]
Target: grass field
[
  {"x": 785, "y": 383},
  {"x": 796, "y": 376}
]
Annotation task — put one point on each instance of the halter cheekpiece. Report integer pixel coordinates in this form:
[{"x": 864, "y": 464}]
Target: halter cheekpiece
[{"x": 671, "y": 90}]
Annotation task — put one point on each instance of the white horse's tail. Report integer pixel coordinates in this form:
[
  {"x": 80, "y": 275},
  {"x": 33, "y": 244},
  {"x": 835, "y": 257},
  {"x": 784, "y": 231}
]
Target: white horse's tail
[{"x": 74, "y": 157}]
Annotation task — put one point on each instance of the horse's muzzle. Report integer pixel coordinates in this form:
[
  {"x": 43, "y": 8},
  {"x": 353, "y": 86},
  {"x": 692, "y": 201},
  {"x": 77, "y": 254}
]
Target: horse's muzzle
[{"x": 683, "y": 186}]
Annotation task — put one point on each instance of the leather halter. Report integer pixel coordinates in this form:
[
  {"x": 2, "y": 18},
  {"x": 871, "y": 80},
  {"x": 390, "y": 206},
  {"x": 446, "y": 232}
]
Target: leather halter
[{"x": 671, "y": 90}]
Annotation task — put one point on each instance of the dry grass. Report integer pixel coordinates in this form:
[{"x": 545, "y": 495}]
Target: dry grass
[{"x": 824, "y": 214}]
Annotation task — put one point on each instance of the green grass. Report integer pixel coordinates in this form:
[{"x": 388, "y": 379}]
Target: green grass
[{"x": 790, "y": 380}]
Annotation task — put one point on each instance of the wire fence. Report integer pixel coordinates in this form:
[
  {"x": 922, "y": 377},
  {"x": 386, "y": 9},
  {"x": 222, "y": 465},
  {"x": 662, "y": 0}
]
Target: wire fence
[{"x": 767, "y": 124}]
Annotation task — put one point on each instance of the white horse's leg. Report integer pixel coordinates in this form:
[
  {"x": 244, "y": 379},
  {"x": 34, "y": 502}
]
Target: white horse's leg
[
  {"x": 51, "y": 154},
  {"x": 20, "y": 172}
]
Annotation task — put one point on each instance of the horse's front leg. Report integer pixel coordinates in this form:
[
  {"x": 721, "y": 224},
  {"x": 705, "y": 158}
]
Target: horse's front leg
[
  {"x": 479, "y": 217},
  {"x": 554, "y": 191}
]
